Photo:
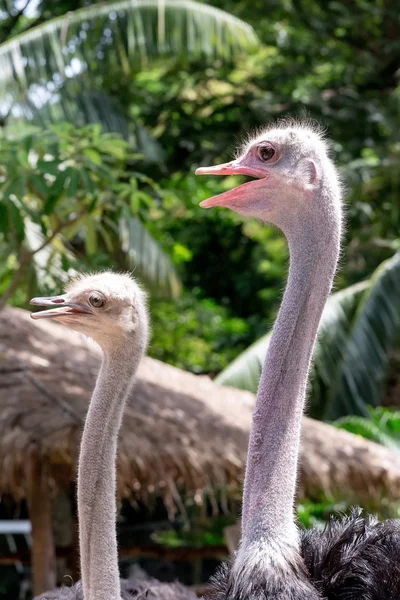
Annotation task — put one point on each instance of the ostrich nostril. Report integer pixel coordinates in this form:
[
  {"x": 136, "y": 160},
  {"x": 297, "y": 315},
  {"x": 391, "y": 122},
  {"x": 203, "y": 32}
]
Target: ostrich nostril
[{"x": 58, "y": 301}]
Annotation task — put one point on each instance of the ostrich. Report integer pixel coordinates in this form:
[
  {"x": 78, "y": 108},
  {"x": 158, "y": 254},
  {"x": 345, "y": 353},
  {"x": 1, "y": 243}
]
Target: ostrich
[
  {"x": 297, "y": 188},
  {"x": 111, "y": 309}
]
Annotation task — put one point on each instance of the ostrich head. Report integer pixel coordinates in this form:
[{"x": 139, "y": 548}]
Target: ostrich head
[
  {"x": 108, "y": 307},
  {"x": 292, "y": 169}
]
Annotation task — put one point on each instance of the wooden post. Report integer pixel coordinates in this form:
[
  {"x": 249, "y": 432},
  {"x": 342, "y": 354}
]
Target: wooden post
[{"x": 43, "y": 552}]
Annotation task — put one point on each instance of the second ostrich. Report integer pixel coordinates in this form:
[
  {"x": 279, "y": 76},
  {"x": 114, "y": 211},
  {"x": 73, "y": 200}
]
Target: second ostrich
[
  {"x": 111, "y": 309},
  {"x": 297, "y": 189}
]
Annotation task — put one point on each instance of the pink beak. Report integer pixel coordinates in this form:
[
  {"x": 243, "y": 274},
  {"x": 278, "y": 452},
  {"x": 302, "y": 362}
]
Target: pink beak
[
  {"x": 229, "y": 168},
  {"x": 60, "y": 306}
]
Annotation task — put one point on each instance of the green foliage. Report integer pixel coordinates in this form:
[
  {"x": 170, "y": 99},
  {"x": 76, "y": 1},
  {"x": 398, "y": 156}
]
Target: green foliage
[
  {"x": 195, "y": 334},
  {"x": 374, "y": 335},
  {"x": 337, "y": 62},
  {"x": 382, "y": 426},
  {"x": 202, "y": 533},
  {"x": 333, "y": 335},
  {"x": 56, "y": 70},
  {"x": 63, "y": 196},
  {"x": 317, "y": 514},
  {"x": 239, "y": 264}
]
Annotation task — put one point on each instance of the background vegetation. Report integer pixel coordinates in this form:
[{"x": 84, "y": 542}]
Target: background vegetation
[{"x": 105, "y": 111}]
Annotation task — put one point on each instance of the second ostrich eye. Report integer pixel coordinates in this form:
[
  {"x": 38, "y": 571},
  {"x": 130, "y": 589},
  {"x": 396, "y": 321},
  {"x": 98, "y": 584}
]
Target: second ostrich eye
[
  {"x": 96, "y": 301},
  {"x": 266, "y": 152}
]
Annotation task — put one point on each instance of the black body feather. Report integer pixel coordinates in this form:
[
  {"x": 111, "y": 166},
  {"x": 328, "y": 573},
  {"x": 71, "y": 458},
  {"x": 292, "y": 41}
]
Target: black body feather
[
  {"x": 353, "y": 558},
  {"x": 138, "y": 589}
]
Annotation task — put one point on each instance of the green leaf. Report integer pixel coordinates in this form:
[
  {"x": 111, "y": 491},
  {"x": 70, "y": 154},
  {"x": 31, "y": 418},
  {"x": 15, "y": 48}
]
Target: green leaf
[
  {"x": 90, "y": 237},
  {"x": 368, "y": 429},
  {"x": 73, "y": 182},
  {"x": 27, "y": 143},
  {"x": 11, "y": 187},
  {"x": 145, "y": 255},
  {"x": 17, "y": 221},
  {"x": 55, "y": 193},
  {"x": 134, "y": 203},
  {"x": 92, "y": 155},
  {"x": 48, "y": 167},
  {"x": 106, "y": 238},
  {"x": 87, "y": 181},
  {"x": 3, "y": 218},
  {"x": 39, "y": 185},
  {"x": 361, "y": 378},
  {"x": 22, "y": 157}
]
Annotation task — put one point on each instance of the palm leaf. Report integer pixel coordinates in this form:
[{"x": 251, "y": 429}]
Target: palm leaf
[
  {"x": 361, "y": 378},
  {"x": 367, "y": 429},
  {"x": 92, "y": 42},
  {"x": 333, "y": 333},
  {"x": 388, "y": 418},
  {"x": 146, "y": 257},
  {"x": 244, "y": 372}
]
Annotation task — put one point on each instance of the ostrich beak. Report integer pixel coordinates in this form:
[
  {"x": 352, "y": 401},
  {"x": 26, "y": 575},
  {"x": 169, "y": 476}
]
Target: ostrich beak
[
  {"x": 230, "y": 168},
  {"x": 61, "y": 306}
]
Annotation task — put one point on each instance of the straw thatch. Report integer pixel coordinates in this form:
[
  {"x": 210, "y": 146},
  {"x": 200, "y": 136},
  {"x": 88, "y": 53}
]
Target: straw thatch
[{"x": 182, "y": 434}]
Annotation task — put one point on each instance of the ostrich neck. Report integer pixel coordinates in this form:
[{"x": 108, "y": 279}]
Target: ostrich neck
[
  {"x": 269, "y": 491},
  {"x": 97, "y": 475}
]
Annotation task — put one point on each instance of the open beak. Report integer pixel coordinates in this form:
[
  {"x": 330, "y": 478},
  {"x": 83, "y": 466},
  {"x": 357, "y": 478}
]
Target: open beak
[
  {"x": 230, "y": 168},
  {"x": 61, "y": 306}
]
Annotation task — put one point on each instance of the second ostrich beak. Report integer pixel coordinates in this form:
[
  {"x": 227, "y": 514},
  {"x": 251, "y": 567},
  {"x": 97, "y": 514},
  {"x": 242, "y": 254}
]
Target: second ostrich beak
[{"x": 60, "y": 306}]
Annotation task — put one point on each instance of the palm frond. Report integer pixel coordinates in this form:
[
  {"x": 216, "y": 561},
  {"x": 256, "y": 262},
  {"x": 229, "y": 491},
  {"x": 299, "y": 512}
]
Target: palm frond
[
  {"x": 244, "y": 372},
  {"x": 92, "y": 42},
  {"x": 145, "y": 255},
  {"x": 361, "y": 378},
  {"x": 367, "y": 429},
  {"x": 333, "y": 333}
]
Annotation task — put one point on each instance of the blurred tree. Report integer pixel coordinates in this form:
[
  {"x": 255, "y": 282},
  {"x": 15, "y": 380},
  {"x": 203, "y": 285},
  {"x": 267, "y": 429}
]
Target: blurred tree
[
  {"x": 62, "y": 69},
  {"x": 195, "y": 334},
  {"x": 336, "y": 61},
  {"x": 65, "y": 198},
  {"x": 320, "y": 66},
  {"x": 69, "y": 58}
]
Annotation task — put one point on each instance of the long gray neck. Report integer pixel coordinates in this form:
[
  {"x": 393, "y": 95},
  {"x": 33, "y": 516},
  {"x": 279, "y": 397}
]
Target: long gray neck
[
  {"x": 97, "y": 474},
  {"x": 269, "y": 490}
]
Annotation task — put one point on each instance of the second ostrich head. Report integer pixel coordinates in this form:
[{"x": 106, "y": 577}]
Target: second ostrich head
[{"x": 108, "y": 307}]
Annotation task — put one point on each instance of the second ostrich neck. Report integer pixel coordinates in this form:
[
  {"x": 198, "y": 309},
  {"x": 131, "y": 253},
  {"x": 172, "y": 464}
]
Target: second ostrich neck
[
  {"x": 268, "y": 499},
  {"x": 97, "y": 474}
]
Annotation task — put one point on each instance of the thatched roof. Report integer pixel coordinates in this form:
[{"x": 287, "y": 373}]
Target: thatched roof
[{"x": 182, "y": 434}]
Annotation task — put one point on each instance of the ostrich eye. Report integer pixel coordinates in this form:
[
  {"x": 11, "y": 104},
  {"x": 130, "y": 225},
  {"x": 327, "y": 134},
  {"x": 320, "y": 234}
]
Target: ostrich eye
[
  {"x": 96, "y": 300},
  {"x": 266, "y": 152}
]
